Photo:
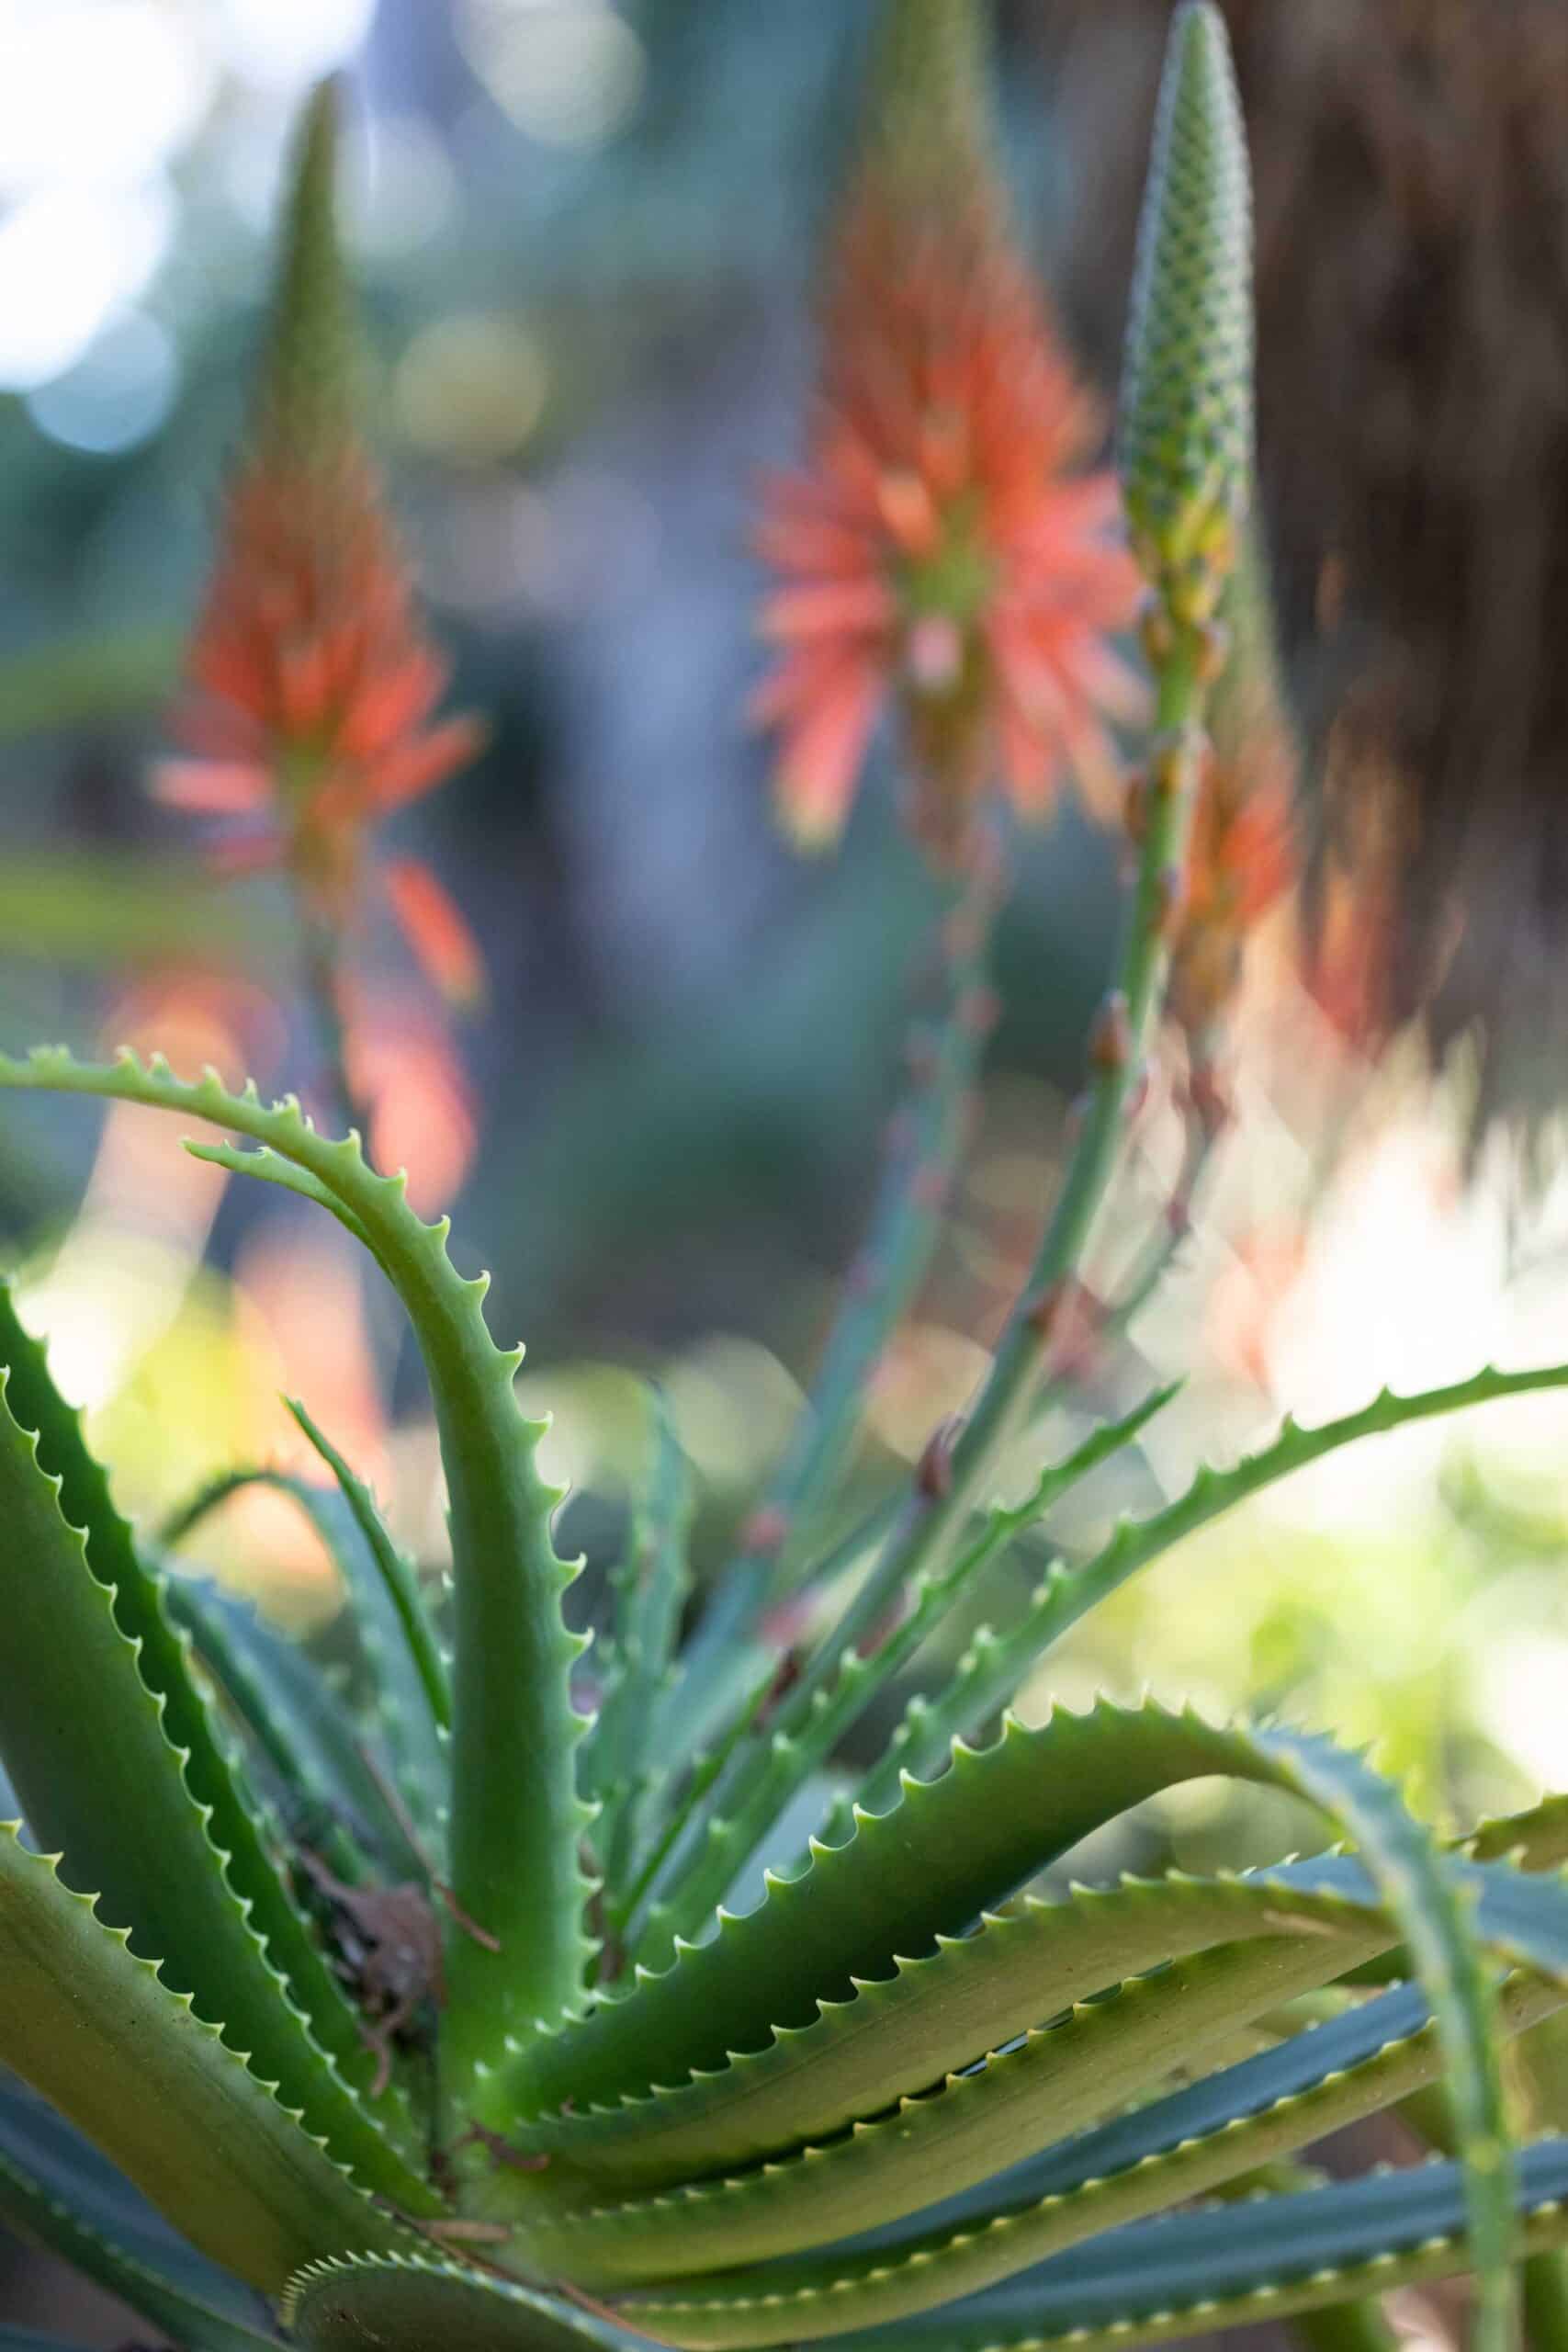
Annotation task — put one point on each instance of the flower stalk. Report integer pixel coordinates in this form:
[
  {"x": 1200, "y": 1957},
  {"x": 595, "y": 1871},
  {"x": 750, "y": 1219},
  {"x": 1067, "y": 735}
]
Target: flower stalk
[
  {"x": 1186, "y": 468},
  {"x": 310, "y": 717},
  {"x": 926, "y": 1136}
]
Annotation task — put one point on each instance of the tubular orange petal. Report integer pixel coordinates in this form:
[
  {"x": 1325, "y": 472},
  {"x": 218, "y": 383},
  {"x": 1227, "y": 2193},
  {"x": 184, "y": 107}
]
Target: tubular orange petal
[
  {"x": 822, "y": 756},
  {"x": 212, "y": 787},
  {"x": 385, "y": 707},
  {"x": 415, "y": 768},
  {"x": 849, "y": 607},
  {"x": 436, "y": 931}
]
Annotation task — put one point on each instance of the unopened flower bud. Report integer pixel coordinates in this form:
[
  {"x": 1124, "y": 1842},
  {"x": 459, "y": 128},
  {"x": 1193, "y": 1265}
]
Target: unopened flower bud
[
  {"x": 1111, "y": 1038},
  {"x": 1186, "y": 422},
  {"x": 1213, "y": 650}
]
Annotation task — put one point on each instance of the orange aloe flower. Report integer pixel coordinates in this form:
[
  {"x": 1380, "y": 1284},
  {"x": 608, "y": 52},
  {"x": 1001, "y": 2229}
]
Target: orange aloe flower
[
  {"x": 1241, "y": 863},
  {"x": 1242, "y": 857},
  {"x": 939, "y": 553},
  {"x": 313, "y": 686}
]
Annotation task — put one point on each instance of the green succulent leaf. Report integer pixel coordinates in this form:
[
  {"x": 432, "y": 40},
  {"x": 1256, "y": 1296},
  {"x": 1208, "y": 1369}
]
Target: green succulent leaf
[
  {"x": 1097, "y": 2188},
  {"x": 517, "y": 1821},
  {"x": 408, "y": 2302},
  {"x": 1191, "y": 2274},
  {"x": 841, "y": 1681},
  {"x": 1105, "y": 2054},
  {"x": 112, "y": 1756},
  {"x": 97, "y": 2031},
  {"x": 996, "y": 1663},
  {"x": 949, "y": 1849},
  {"x": 619, "y": 1759},
  {"x": 303, "y": 1733},
  {"x": 1403, "y": 1857},
  {"x": 400, "y": 1599},
  {"x": 894, "y": 2036},
  {"x": 955, "y": 2135},
  {"x": 57, "y": 2190},
  {"x": 401, "y": 1725}
]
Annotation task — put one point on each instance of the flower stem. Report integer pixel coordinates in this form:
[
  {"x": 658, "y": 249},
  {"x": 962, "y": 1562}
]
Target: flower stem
[
  {"x": 926, "y": 1140},
  {"x": 322, "y": 972},
  {"x": 938, "y": 1511}
]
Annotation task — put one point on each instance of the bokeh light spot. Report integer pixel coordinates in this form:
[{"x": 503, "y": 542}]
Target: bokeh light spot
[
  {"x": 282, "y": 43},
  {"x": 399, "y": 190},
  {"x": 568, "y": 72},
  {"x": 95, "y": 92},
  {"x": 470, "y": 388},
  {"x": 69, "y": 258},
  {"x": 118, "y": 393}
]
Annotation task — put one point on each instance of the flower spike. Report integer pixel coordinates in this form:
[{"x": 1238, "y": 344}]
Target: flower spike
[
  {"x": 1186, "y": 424},
  {"x": 314, "y": 685},
  {"x": 938, "y": 554}
]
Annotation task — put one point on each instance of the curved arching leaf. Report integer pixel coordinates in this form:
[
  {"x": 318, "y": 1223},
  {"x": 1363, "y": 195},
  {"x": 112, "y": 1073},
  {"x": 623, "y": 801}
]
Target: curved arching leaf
[
  {"x": 57, "y": 2190},
  {"x": 87, "y": 1743},
  {"x": 1190, "y": 2274},
  {"x": 97, "y": 2033},
  {"x": 517, "y": 1822},
  {"x": 408, "y": 2302}
]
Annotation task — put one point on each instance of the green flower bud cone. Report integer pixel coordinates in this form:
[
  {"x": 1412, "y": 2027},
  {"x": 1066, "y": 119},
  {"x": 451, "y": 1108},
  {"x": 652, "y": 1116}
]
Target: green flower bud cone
[
  {"x": 1186, "y": 436},
  {"x": 928, "y": 127},
  {"x": 310, "y": 376}
]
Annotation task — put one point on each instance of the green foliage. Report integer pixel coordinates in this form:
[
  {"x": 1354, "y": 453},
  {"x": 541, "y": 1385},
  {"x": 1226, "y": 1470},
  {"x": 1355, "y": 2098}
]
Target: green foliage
[{"x": 290, "y": 2076}]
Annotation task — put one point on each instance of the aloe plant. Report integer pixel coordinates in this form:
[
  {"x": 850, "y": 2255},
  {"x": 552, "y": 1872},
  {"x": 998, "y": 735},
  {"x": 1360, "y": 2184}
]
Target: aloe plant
[{"x": 427, "y": 2021}]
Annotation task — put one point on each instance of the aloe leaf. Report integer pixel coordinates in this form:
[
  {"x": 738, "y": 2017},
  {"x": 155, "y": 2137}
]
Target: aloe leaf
[
  {"x": 1402, "y": 1856},
  {"x": 97, "y": 2032},
  {"x": 57, "y": 2190},
  {"x": 996, "y": 1663},
  {"x": 893, "y": 2277},
  {"x": 1190, "y": 2274},
  {"x": 402, "y": 1717},
  {"x": 1058, "y": 2080},
  {"x": 619, "y": 1759},
  {"x": 1188, "y": 2143},
  {"x": 267, "y": 1167},
  {"x": 517, "y": 1822},
  {"x": 837, "y": 1686},
  {"x": 953, "y": 2136},
  {"x": 404, "y": 1600},
  {"x": 949, "y": 1849},
  {"x": 114, "y": 1761},
  {"x": 897, "y": 2035},
  {"x": 300, "y": 1729},
  {"x": 408, "y": 2302},
  {"x": 954, "y": 1847}
]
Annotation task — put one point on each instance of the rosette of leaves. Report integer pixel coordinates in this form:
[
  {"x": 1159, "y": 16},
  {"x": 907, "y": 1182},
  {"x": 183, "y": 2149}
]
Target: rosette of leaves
[
  {"x": 431, "y": 2017},
  {"x": 616, "y": 2111}
]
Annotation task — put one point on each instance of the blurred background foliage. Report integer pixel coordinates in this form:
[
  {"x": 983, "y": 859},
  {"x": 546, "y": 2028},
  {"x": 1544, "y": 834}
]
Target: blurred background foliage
[{"x": 586, "y": 233}]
